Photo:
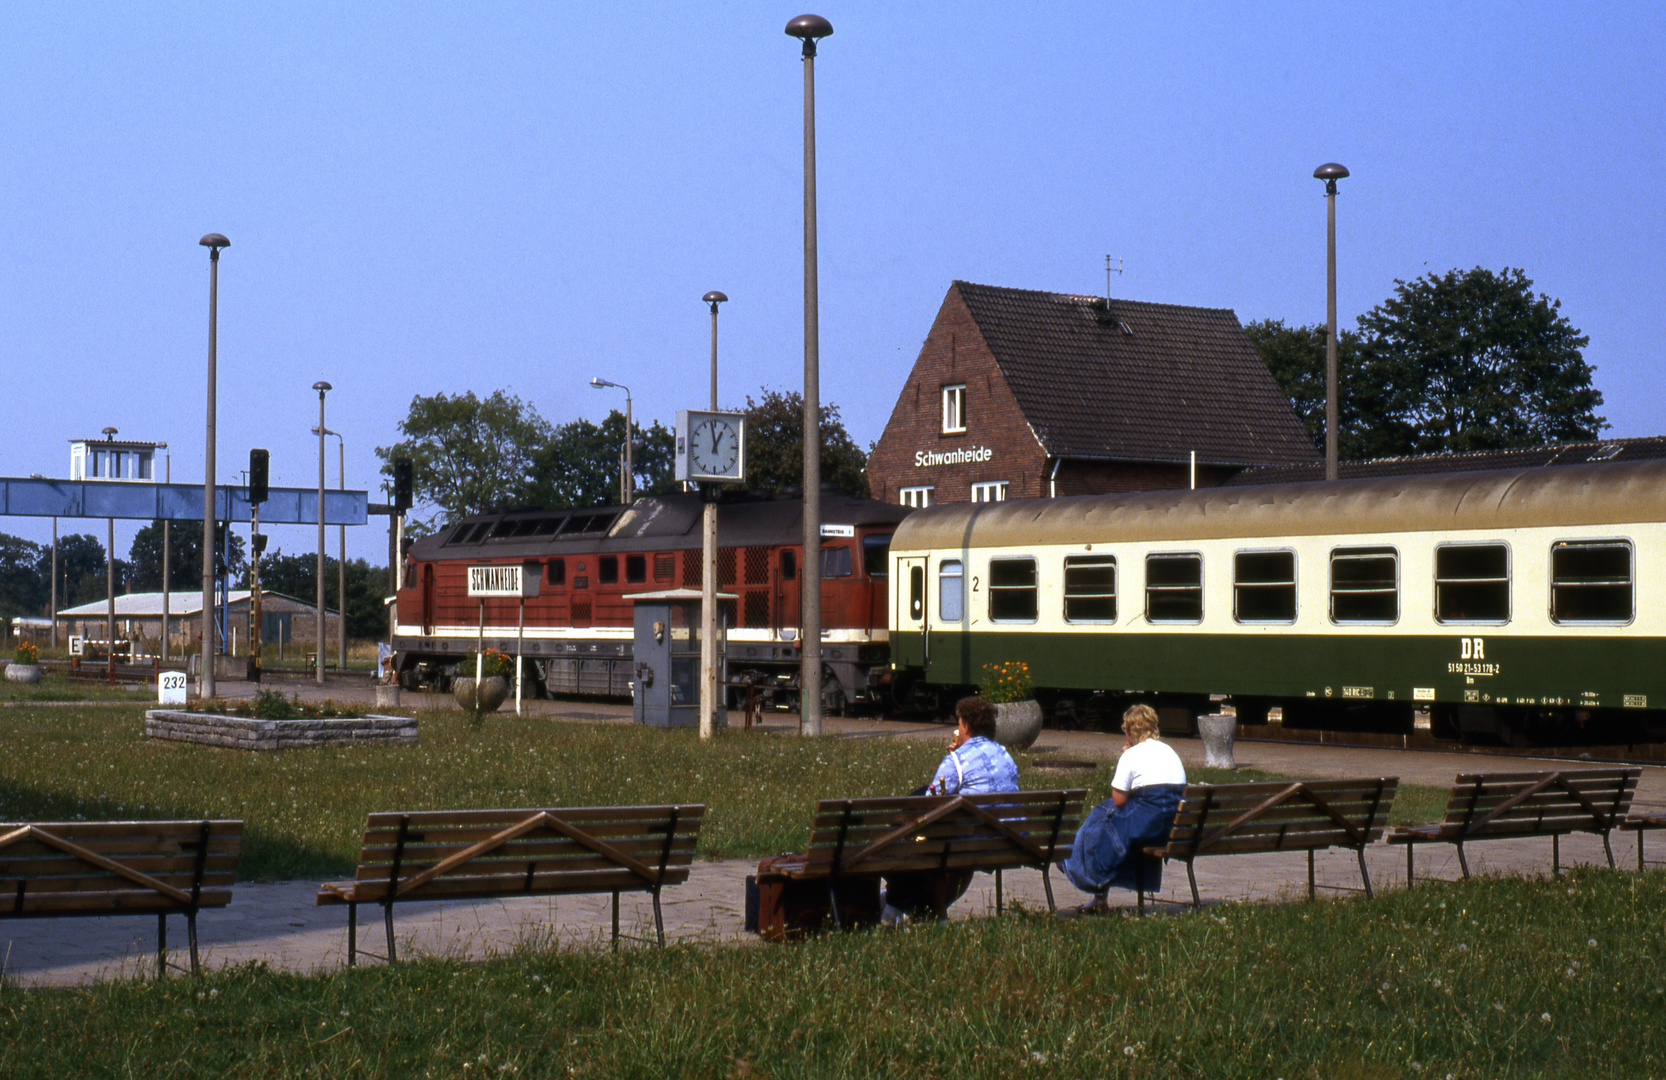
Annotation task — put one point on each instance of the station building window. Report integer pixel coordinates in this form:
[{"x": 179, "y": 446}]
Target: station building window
[
  {"x": 916, "y": 496},
  {"x": 1472, "y": 583},
  {"x": 1264, "y": 586},
  {"x": 993, "y": 491},
  {"x": 954, "y": 409},
  {"x": 951, "y": 590},
  {"x": 1174, "y": 588},
  {"x": 1364, "y": 585},
  {"x": 1090, "y": 588},
  {"x": 1012, "y": 590},
  {"x": 1590, "y": 581}
]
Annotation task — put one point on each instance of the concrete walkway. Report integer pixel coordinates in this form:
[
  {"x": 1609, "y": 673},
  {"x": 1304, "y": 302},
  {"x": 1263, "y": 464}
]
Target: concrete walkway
[{"x": 277, "y": 924}]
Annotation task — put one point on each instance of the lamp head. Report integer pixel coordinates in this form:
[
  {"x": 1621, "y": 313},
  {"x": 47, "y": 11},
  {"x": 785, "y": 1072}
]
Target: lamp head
[
  {"x": 1330, "y": 173},
  {"x": 109, "y": 434},
  {"x": 598, "y": 382},
  {"x": 216, "y": 241},
  {"x": 714, "y": 298},
  {"x": 321, "y": 386},
  {"x": 809, "y": 28}
]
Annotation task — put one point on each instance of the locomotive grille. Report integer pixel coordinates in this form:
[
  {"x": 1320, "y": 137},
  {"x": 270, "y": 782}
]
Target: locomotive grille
[
  {"x": 726, "y": 567},
  {"x": 757, "y": 607},
  {"x": 691, "y": 568},
  {"x": 757, "y": 566},
  {"x": 665, "y": 567}
]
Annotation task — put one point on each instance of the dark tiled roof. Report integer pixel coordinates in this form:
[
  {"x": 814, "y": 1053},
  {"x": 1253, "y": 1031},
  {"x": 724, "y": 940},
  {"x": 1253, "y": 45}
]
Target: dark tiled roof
[
  {"x": 1643, "y": 449},
  {"x": 1148, "y": 382}
]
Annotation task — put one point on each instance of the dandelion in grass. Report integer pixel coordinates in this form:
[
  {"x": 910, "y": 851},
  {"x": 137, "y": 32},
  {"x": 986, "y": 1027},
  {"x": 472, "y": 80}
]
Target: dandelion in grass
[
  {"x": 1592, "y": 943},
  {"x": 1544, "y": 1018}
]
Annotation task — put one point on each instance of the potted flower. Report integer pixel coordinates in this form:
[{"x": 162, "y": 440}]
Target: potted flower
[
  {"x": 25, "y": 664},
  {"x": 493, "y": 687},
  {"x": 1017, "y": 714}
]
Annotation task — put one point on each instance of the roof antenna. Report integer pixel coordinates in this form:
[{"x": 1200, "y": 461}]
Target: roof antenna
[{"x": 1108, "y": 269}]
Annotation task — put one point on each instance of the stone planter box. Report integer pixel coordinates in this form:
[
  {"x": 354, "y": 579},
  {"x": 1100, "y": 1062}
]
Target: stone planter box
[
  {"x": 1017, "y": 724},
  {"x": 1217, "y": 732},
  {"x": 23, "y": 673},
  {"x": 246, "y": 733},
  {"x": 493, "y": 691}
]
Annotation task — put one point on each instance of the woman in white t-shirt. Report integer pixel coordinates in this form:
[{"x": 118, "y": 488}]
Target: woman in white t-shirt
[{"x": 1145, "y": 792}]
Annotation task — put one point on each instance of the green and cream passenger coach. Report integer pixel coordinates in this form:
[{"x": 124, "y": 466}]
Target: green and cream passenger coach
[{"x": 1527, "y": 605}]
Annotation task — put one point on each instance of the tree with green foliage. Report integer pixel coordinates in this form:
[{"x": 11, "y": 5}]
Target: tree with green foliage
[
  {"x": 80, "y": 570},
  {"x": 581, "y": 465},
  {"x": 296, "y": 576},
  {"x": 775, "y": 446},
  {"x": 23, "y": 588},
  {"x": 1468, "y": 360},
  {"x": 144, "y": 556},
  {"x": 469, "y": 454}
]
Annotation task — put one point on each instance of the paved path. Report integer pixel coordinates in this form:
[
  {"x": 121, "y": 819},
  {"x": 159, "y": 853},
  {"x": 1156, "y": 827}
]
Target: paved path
[{"x": 278, "y": 925}]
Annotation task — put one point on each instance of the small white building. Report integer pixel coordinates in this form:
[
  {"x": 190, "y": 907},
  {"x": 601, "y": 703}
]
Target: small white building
[{"x": 284, "y": 621}]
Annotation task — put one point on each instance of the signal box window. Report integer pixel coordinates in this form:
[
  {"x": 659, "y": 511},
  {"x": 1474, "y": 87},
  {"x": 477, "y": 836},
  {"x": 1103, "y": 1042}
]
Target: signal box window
[
  {"x": 636, "y": 569},
  {"x": 954, "y": 409},
  {"x": 1591, "y": 582},
  {"x": 1472, "y": 583},
  {"x": 951, "y": 590},
  {"x": 915, "y": 496},
  {"x": 876, "y": 555},
  {"x": 1090, "y": 588},
  {"x": 835, "y": 562},
  {"x": 1012, "y": 590},
  {"x": 1264, "y": 586},
  {"x": 1364, "y": 585},
  {"x": 1174, "y": 588},
  {"x": 607, "y": 570},
  {"x": 994, "y": 491},
  {"x": 555, "y": 572}
]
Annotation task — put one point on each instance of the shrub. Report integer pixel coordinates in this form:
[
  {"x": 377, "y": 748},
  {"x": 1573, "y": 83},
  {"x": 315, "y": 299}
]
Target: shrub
[
  {"x": 27, "y": 653},
  {"x": 1008, "y": 682},
  {"x": 492, "y": 662}
]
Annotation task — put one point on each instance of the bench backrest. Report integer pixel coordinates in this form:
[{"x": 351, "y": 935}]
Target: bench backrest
[
  {"x": 438, "y": 854},
  {"x": 942, "y": 832},
  {"x": 1280, "y": 815},
  {"x": 70, "y": 867},
  {"x": 1540, "y": 803}
]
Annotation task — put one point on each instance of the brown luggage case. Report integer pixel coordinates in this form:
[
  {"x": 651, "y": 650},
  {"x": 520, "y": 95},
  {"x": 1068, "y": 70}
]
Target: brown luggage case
[{"x": 780, "y": 908}]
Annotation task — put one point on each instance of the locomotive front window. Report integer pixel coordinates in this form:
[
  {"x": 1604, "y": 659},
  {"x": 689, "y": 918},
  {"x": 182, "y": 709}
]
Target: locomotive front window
[
  {"x": 556, "y": 571},
  {"x": 789, "y": 565},
  {"x": 951, "y": 590},
  {"x": 1472, "y": 583},
  {"x": 876, "y": 554},
  {"x": 1174, "y": 588},
  {"x": 1364, "y": 585},
  {"x": 636, "y": 569},
  {"x": 1090, "y": 588},
  {"x": 1264, "y": 586},
  {"x": 1591, "y": 582},
  {"x": 607, "y": 570},
  {"x": 1012, "y": 590},
  {"x": 835, "y": 562}
]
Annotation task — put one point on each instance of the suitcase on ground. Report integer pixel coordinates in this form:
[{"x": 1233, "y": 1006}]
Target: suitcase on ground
[{"x": 780, "y": 908}]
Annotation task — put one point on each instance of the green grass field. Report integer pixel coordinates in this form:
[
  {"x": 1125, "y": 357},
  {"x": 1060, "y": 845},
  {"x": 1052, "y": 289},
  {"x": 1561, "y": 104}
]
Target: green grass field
[
  {"x": 58, "y": 687},
  {"x": 1490, "y": 978}
]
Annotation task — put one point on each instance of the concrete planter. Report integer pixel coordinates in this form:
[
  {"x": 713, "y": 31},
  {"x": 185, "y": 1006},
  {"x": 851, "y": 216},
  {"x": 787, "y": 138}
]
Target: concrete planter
[
  {"x": 1017, "y": 724},
  {"x": 489, "y": 698},
  {"x": 387, "y": 695},
  {"x": 24, "y": 673},
  {"x": 248, "y": 733},
  {"x": 1217, "y": 733}
]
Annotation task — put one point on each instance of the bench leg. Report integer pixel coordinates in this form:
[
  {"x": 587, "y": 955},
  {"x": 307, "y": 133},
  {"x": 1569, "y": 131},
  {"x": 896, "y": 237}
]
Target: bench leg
[
  {"x": 1310, "y": 875},
  {"x": 615, "y": 920},
  {"x": 1364, "y": 874},
  {"x": 833, "y": 902},
  {"x": 387, "y": 919},
  {"x": 1139, "y": 895},
  {"x": 1408, "y": 864},
  {"x": 1555, "y": 854},
  {"x": 1609, "y": 851},
  {"x": 161, "y": 945},
  {"x": 1463, "y": 862},
  {"x": 352, "y": 933},
  {"x": 1047, "y": 883},
  {"x": 659, "y": 922},
  {"x": 1191, "y": 877},
  {"x": 191, "y": 934},
  {"x": 997, "y": 892},
  {"x": 1639, "y": 851}
]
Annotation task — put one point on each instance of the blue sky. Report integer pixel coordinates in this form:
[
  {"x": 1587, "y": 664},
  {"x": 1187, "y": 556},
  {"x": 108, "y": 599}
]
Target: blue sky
[{"x": 427, "y": 197}]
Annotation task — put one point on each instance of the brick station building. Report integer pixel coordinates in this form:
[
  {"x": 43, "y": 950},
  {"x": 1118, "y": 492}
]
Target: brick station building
[{"x": 1022, "y": 394}]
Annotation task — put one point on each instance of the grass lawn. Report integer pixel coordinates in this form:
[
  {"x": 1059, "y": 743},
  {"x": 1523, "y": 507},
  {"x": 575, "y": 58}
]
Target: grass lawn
[
  {"x": 1490, "y": 978},
  {"x": 58, "y": 687},
  {"x": 306, "y": 808}
]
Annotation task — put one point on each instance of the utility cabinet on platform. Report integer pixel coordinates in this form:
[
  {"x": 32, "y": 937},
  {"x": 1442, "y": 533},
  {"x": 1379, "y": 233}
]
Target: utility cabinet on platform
[{"x": 665, "y": 657}]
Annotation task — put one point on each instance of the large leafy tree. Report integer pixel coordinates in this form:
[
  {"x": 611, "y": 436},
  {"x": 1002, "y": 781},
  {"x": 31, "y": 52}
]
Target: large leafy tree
[
  {"x": 580, "y": 466},
  {"x": 469, "y": 454},
  {"x": 297, "y": 576},
  {"x": 1296, "y": 357},
  {"x": 775, "y": 446},
  {"x": 23, "y": 588},
  {"x": 184, "y": 556},
  {"x": 80, "y": 569}
]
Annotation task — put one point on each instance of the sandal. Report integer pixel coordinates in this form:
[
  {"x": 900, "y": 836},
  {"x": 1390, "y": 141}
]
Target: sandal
[{"x": 1093, "y": 907}]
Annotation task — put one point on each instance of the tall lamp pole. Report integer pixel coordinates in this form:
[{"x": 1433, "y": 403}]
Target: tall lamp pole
[
  {"x": 810, "y": 29},
  {"x": 711, "y": 695},
  {"x": 110, "y": 578},
  {"x": 341, "y": 556},
  {"x": 323, "y": 388},
  {"x": 1330, "y": 174},
  {"x": 626, "y": 485},
  {"x": 205, "y": 683}
]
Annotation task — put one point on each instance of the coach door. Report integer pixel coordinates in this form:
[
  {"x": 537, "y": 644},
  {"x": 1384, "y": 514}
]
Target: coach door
[{"x": 911, "y": 611}]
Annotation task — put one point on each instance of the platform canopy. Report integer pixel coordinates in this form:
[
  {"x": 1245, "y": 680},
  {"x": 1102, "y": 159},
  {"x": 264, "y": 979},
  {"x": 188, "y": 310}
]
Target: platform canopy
[{"x": 128, "y": 499}]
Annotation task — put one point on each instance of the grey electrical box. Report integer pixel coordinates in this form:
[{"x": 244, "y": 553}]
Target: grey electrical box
[{"x": 665, "y": 657}]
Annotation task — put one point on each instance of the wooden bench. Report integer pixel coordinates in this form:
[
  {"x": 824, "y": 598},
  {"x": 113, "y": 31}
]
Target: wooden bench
[
  {"x": 1504, "y": 806},
  {"x": 483, "y": 854},
  {"x": 70, "y": 868},
  {"x": 1275, "y": 815},
  {"x": 1641, "y": 822},
  {"x": 992, "y": 833}
]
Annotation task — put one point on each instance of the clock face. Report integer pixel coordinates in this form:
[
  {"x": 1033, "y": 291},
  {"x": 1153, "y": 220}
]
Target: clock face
[{"x": 714, "y": 447}]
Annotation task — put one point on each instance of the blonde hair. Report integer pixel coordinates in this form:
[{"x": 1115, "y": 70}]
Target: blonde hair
[{"x": 1139, "y": 723}]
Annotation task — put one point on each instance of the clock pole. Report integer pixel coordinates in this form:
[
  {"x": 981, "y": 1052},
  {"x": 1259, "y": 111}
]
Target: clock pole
[{"x": 711, "y": 698}]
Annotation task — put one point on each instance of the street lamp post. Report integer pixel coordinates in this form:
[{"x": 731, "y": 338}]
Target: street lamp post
[
  {"x": 110, "y": 582},
  {"x": 810, "y": 29},
  {"x": 1330, "y": 174},
  {"x": 323, "y": 388},
  {"x": 626, "y": 485},
  {"x": 711, "y": 694},
  {"x": 205, "y": 683},
  {"x": 341, "y": 557}
]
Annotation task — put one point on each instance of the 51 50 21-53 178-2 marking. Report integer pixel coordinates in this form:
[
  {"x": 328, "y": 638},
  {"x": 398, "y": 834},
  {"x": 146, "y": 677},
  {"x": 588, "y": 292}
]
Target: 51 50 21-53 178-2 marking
[{"x": 1474, "y": 669}]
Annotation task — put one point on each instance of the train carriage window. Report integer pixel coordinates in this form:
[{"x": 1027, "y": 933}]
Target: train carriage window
[
  {"x": 789, "y": 564},
  {"x": 876, "y": 554},
  {"x": 607, "y": 570},
  {"x": 556, "y": 572},
  {"x": 1591, "y": 581},
  {"x": 1264, "y": 586},
  {"x": 916, "y": 594},
  {"x": 636, "y": 569},
  {"x": 835, "y": 562},
  {"x": 1472, "y": 583},
  {"x": 1090, "y": 588},
  {"x": 1364, "y": 585},
  {"x": 1012, "y": 590},
  {"x": 951, "y": 590},
  {"x": 1174, "y": 588}
]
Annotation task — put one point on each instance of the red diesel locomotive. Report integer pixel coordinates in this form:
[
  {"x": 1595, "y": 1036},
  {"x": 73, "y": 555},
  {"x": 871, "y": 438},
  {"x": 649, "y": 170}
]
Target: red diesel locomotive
[{"x": 577, "y": 634}]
